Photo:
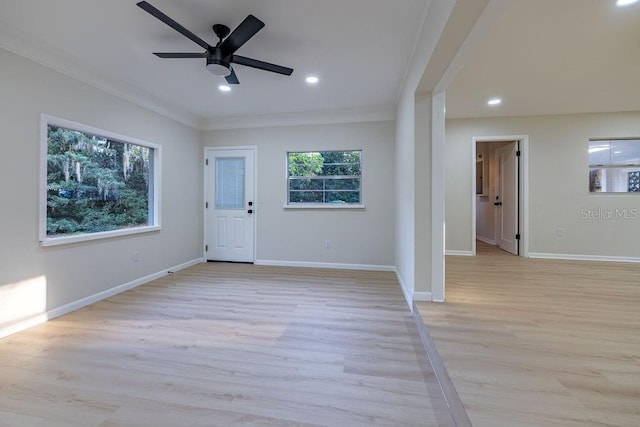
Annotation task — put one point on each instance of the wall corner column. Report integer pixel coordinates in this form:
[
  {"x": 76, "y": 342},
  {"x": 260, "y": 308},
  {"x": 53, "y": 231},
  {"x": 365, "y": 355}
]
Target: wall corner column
[
  {"x": 422, "y": 195},
  {"x": 437, "y": 197}
]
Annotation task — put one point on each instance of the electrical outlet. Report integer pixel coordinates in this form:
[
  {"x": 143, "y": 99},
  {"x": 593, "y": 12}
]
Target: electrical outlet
[
  {"x": 327, "y": 244},
  {"x": 136, "y": 256},
  {"x": 559, "y": 232}
]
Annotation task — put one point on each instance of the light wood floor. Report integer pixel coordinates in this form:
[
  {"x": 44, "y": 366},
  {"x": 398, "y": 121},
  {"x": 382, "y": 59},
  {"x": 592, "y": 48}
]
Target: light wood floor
[
  {"x": 530, "y": 342},
  {"x": 227, "y": 345}
]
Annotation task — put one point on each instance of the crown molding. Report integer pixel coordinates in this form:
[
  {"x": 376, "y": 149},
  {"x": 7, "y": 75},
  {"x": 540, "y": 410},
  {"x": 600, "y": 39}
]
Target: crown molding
[
  {"x": 355, "y": 115},
  {"x": 24, "y": 45},
  {"x": 16, "y": 41}
]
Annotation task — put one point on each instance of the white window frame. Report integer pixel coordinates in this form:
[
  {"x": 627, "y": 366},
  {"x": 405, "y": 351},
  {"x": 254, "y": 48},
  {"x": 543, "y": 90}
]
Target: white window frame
[
  {"x": 338, "y": 206},
  {"x": 155, "y": 181}
]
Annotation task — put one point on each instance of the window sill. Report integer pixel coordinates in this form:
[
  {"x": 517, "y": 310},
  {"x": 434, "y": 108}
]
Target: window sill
[
  {"x": 55, "y": 241},
  {"x": 313, "y": 206}
]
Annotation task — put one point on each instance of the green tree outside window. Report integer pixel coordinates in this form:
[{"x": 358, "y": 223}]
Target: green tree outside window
[
  {"x": 95, "y": 184},
  {"x": 324, "y": 177}
]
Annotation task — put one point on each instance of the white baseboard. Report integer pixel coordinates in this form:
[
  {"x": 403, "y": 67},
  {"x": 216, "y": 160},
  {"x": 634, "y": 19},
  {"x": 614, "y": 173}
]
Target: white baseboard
[
  {"x": 337, "y": 266},
  {"x": 486, "y": 240},
  {"x": 458, "y": 253},
  {"x": 422, "y": 296},
  {"x": 575, "y": 257},
  {"x": 83, "y": 302},
  {"x": 407, "y": 292},
  {"x": 409, "y": 295}
]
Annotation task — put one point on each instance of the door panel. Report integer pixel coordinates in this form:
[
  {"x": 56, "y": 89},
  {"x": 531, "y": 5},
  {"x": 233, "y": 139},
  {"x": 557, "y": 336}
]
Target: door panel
[
  {"x": 508, "y": 188},
  {"x": 221, "y": 231},
  {"x": 229, "y": 223},
  {"x": 238, "y": 232}
]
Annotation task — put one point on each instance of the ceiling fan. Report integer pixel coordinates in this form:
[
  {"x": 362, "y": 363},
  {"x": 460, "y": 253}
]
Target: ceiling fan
[{"x": 222, "y": 55}]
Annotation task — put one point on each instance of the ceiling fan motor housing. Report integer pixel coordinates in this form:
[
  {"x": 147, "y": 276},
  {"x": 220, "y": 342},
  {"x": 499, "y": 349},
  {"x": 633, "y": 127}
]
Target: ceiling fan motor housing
[{"x": 217, "y": 63}]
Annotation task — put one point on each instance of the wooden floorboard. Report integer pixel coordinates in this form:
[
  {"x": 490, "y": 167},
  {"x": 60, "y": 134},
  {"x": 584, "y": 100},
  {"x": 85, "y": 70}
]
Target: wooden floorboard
[
  {"x": 531, "y": 342},
  {"x": 224, "y": 345}
]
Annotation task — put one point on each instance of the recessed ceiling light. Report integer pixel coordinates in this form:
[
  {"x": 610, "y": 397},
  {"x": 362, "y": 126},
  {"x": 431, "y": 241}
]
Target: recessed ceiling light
[
  {"x": 622, "y": 3},
  {"x": 312, "y": 80},
  {"x": 224, "y": 88},
  {"x": 494, "y": 101}
]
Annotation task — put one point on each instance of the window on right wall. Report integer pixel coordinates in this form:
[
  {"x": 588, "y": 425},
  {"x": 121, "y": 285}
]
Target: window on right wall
[{"x": 614, "y": 165}]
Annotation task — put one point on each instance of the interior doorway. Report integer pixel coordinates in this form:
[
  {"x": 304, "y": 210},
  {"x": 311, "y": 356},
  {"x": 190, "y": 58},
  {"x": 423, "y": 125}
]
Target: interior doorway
[{"x": 500, "y": 183}]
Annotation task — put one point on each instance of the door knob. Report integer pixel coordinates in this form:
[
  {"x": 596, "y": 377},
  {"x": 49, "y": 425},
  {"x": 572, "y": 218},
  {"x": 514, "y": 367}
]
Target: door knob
[{"x": 250, "y": 211}]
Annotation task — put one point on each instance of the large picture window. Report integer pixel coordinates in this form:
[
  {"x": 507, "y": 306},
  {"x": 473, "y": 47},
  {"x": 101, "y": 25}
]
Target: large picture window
[
  {"x": 324, "y": 178},
  {"x": 614, "y": 166},
  {"x": 95, "y": 183}
]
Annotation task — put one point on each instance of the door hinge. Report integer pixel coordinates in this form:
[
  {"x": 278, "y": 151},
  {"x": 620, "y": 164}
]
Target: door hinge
[
  {"x": 517, "y": 237},
  {"x": 518, "y": 153},
  {"x": 206, "y": 205},
  {"x": 206, "y": 162},
  {"x": 206, "y": 248}
]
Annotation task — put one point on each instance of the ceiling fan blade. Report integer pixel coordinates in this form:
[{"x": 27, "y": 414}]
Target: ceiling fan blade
[
  {"x": 261, "y": 65},
  {"x": 232, "y": 79},
  {"x": 243, "y": 32},
  {"x": 179, "y": 55},
  {"x": 173, "y": 24}
]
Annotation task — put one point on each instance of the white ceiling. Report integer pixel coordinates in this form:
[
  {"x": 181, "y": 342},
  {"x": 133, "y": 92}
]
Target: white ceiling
[
  {"x": 540, "y": 56},
  {"x": 360, "y": 49},
  {"x": 553, "y": 57}
]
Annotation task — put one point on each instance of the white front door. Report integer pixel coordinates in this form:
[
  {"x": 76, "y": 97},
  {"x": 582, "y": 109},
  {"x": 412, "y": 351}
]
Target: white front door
[
  {"x": 230, "y": 205},
  {"x": 508, "y": 198}
]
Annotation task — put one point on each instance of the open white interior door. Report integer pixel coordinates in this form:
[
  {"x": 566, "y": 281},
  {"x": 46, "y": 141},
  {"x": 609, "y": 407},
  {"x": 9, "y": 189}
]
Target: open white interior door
[
  {"x": 508, "y": 198},
  {"x": 230, "y": 205}
]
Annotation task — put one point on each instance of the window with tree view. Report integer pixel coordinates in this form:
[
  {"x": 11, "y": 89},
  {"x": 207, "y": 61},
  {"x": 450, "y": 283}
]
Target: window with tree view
[
  {"x": 324, "y": 177},
  {"x": 97, "y": 183}
]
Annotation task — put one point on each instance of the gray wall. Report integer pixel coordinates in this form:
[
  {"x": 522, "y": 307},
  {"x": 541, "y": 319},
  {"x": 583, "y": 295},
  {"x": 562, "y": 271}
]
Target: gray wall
[
  {"x": 558, "y": 183},
  {"x": 358, "y": 237},
  {"x": 405, "y": 194},
  {"x": 68, "y": 273}
]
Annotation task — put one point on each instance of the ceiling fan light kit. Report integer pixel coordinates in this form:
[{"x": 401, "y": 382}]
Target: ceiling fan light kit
[
  {"x": 219, "y": 69},
  {"x": 217, "y": 64},
  {"x": 219, "y": 57}
]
